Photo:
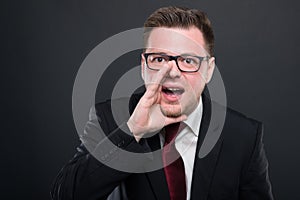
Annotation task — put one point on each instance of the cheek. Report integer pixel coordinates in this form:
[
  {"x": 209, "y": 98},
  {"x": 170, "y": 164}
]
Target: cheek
[
  {"x": 203, "y": 73},
  {"x": 147, "y": 76},
  {"x": 196, "y": 85},
  {"x": 195, "y": 80}
]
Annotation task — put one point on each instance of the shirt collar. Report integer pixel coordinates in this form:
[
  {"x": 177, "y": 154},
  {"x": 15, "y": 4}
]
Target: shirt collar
[{"x": 194, "y": 119}]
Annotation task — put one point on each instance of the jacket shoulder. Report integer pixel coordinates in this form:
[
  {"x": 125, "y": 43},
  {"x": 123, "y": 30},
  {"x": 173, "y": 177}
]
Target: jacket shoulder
[
  {"x": 240, "y": 122},
  {"x": 241, "y": 135}
]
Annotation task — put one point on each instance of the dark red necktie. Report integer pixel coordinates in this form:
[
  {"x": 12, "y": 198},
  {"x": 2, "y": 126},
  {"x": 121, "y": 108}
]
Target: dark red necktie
[{"x": 174, "y": 172}]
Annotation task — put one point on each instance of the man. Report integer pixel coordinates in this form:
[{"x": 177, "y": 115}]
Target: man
[{"x": 173, "y": 116}]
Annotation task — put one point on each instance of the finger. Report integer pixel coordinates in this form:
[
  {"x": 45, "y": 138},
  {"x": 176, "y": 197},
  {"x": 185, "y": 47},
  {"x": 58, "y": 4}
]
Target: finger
[
  {"x": 170, "y": 120},
  {"x": 161, "y": 74},
  {"x": 155, "y": 84}
]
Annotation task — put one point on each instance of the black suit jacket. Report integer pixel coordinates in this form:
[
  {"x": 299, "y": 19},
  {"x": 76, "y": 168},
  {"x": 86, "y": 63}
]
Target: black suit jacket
[{"x": 236, "y": 168}]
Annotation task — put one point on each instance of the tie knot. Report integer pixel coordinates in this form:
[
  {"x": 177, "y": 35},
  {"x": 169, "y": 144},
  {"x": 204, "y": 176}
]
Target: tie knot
[{"x": 171, "y": 131}]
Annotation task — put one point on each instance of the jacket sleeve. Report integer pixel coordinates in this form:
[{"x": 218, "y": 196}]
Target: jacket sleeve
[
  {"x": 89, "y": 175},
  {"x": 255, "y": 184}
]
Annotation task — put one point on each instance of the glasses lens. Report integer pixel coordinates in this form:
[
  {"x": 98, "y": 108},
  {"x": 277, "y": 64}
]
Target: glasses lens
[
  {"x": 189, "y": 63},
  {"x": 157, "y": 61}
]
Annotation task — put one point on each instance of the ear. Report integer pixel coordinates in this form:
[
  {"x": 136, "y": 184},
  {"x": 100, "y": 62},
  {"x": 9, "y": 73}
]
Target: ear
[
  {"x": 143, "y": 65},
  {"x": 210, "y": 69}
]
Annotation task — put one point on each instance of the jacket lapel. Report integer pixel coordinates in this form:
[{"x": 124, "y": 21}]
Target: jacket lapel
[
  {"x": 204, "y": 168},
  {"x": 157, "y": 178}
]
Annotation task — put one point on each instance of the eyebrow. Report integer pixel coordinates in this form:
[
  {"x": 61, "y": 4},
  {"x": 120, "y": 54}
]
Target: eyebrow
[
  {"x": 183, "y": 54},
  {"x": 189, "y": 54},
  {"x": 158, "y": 52}
]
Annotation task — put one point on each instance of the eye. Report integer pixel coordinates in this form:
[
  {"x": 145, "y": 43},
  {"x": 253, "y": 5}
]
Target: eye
[
  {"x": 158, "y": 59},
  {"x": 190, "y": 60}
]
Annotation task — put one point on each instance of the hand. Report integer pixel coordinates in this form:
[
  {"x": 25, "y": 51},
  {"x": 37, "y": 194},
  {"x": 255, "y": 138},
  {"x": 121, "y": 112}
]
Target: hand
[{"x": 147, "y": 116}]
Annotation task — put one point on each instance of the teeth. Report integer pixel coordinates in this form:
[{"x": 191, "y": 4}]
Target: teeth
[{"x": 174, "y": 89}]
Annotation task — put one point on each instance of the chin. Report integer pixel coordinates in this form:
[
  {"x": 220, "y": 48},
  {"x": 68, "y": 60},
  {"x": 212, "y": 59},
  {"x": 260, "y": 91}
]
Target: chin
[{"x": 172, "y": 111}]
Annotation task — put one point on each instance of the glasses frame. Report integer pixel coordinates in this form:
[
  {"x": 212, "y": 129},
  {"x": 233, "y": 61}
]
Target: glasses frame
[{"x": 146, "y": 55}]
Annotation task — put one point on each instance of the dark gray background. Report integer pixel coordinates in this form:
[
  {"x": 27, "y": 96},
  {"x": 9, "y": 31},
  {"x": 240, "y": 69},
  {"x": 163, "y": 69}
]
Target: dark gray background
[{"x": 44, "y": 42}]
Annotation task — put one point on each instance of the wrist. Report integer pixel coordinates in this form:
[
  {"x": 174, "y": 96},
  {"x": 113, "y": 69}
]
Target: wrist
[{"x": 133, "y": 131}]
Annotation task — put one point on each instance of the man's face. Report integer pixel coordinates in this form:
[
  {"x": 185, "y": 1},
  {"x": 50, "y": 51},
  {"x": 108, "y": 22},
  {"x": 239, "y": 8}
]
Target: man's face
[{"x": 180, "y": 91}]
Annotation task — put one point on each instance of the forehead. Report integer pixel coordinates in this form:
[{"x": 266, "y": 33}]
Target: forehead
[{"x": 177, "y": 41}]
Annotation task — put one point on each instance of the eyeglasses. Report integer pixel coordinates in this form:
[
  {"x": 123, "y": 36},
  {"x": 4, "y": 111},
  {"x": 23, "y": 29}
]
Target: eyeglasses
[{"x": 185, "y": 63}]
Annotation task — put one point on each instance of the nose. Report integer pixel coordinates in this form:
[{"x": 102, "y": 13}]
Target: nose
[{"x": 174, "y": 72}]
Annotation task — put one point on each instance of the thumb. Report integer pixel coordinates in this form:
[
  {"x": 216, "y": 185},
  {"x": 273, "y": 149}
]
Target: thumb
[{"x": 170, "y": 120}]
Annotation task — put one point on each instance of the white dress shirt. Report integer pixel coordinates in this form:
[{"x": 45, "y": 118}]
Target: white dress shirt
[{"x": 186, "y": 143}]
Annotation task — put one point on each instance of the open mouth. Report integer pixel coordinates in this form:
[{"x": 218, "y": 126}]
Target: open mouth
[
  {"x": 172, "y": 91},
  {"x": 172, "y": 94}
]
